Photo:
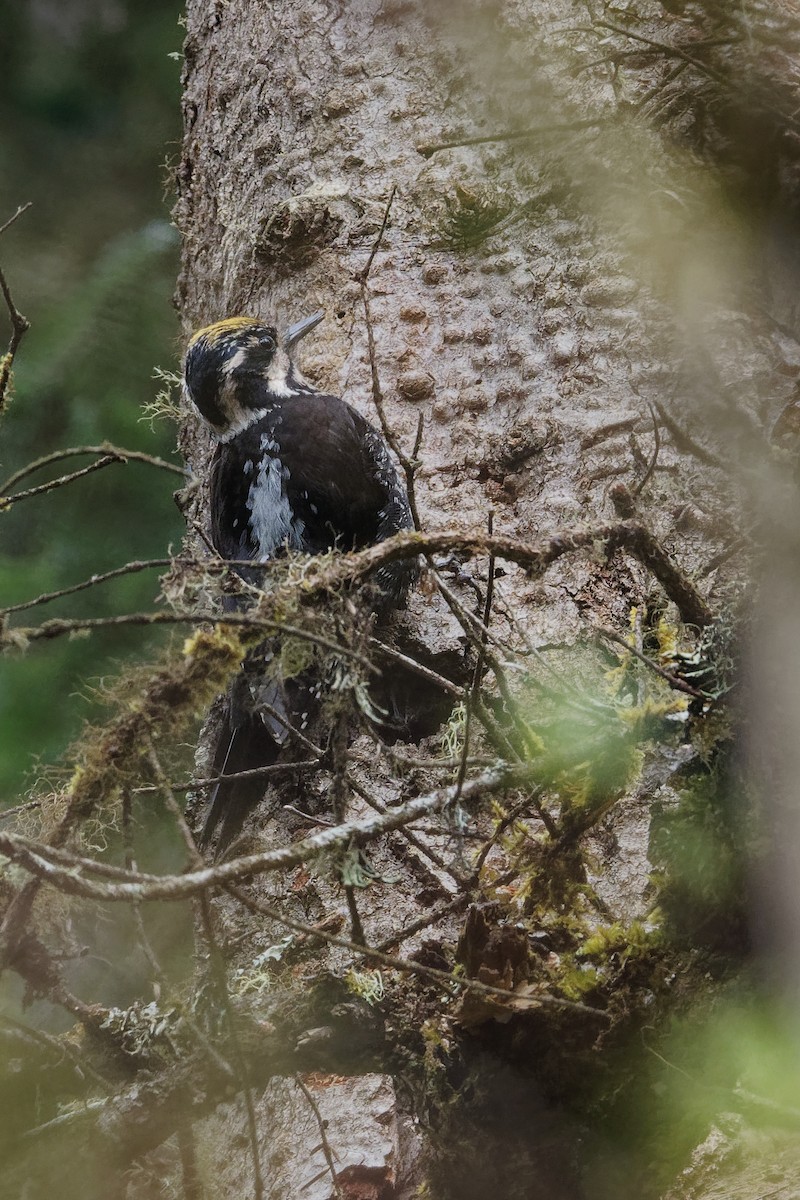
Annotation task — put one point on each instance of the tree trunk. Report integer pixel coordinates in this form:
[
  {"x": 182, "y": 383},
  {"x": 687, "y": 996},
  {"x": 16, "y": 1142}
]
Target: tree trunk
[{"x": 560, "y": 299}]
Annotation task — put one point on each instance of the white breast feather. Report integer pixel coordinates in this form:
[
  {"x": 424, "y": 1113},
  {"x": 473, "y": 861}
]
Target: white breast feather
[{"x": 271, "y": 519}]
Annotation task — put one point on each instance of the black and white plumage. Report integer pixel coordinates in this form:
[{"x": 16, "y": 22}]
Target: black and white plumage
[{"x": 295, "y": 469}]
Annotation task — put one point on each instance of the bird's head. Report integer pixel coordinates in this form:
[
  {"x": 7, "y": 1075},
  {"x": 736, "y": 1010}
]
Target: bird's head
[{"x": 239, "y": 366}]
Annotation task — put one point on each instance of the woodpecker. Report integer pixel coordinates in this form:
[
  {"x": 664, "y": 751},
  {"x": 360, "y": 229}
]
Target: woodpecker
[{"x": 294, "y": 469}]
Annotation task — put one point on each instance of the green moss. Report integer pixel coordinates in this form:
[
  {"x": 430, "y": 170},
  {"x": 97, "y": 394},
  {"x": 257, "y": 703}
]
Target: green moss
[{"x": 296, "y": 656}]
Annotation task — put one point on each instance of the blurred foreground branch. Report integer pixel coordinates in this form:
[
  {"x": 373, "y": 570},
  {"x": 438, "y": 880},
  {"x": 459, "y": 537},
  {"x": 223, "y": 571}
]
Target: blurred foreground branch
[{"x": 19, "y": 324}]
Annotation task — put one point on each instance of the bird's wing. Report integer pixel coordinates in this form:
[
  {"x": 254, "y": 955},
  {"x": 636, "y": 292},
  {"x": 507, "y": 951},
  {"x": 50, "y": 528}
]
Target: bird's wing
[{"x": 341, "y": 478}]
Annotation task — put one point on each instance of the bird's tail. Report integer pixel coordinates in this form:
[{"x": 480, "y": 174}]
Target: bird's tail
[
  {"x": 243, "y": 746},
  {"x": 259, "y": 717}
]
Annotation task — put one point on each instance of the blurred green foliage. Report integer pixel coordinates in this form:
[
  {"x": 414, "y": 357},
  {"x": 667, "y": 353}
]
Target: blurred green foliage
[{"x": 89, "y": 111}]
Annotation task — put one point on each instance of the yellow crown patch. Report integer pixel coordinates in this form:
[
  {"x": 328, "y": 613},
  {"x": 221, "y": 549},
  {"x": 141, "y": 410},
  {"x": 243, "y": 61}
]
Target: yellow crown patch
[{"x": 213, "y": 333}]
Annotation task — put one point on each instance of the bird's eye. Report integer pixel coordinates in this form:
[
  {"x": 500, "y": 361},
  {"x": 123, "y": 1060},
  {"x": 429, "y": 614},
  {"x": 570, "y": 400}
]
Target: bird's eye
[{"x": 267, "y": 343}]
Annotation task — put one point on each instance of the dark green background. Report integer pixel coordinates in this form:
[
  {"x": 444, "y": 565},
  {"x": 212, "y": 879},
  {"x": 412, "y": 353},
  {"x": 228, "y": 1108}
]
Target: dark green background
[{"x": 89, "y": 124}]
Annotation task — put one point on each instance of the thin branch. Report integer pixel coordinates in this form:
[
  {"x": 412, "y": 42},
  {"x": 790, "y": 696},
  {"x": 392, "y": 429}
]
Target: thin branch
[
  {"x": 477, "y": 674},
  {"x": 426, "y": 149},
  {"x": 529, "y": 801},
  {"x": 431, "y": 918},
  {"x": 480, "y": 634},
  {"x": 410, "y": 967},
  {"x": 251, "y": 773},
  {"x": 606, "y": 431},
  {"x": 323, "y": 1136},
  {"x": 412, "y": 839},
  {"x": 670, "y": 51},
  {"x": 130, "y": 568},
  {"x": 159, "y": 976},
  {"x": 161, "y": 984},
  {"x": 337, "y": 792},
  {"x": 105, "y": 448},
  {"x": 296, "y": 733},
  {"x": 363, "y": 274},
  {"x": 733, "y": 548},
  {"x": 178, "y": 887},
  {"x": 410, "y": 465},
  {"x": 5, "y": 813},
  {"x": 678, "y": 684},
  {"x": 19, "y": 324},
  {"x": 61, "y": 1047},
  {"x": 7, "y": 501},
  {"x": 22, "y": 209},
  {"x": 348, "y": 568},
  {"x": 651, "y": 466},
  {"x": 685, "y": 443},
  {"x": 217, "y": 964},
  {"x": 60, "y": 627},
  {"x": 418, "y": 668},
  {"x": 658, "y": 92}
]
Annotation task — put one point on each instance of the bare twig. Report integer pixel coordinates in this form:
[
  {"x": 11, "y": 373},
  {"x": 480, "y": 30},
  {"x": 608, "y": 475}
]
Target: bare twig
[
  {"x": 338, "y": 795},
  {"x": 61, "y": 1047},
  {"x": 252, "y": 773},
  {"x": 480, "y": 634},
  {"x": 651, "y": 466},
  {"x": 606, "y": 431},
  {"x": 159, "y": 975},
  {"x": 323, "y": 1136},
  {"x": 162, "y": 987},
  {"x": 733, "y": 548},
  {"x": 408, "y": 834},
  {"x": 131, "y": 568},
  {"x": 685, "y": 442},
  {"x": 410, "y": 464},
  {"x": 7, "y": 501},
  {"x": 22, "y": 209},
  {"x": 37, "y": 858},
  {"x": 363, "y": 274},
  {"x": 217, "y": 964},
  {"x": 477, "y": 674},
  {"x": 19, "y": 324},
  {"x": 61, "y": 627},
  {"x": 424, "y": 672},
  {"x": 530, "y": 801},
  {"x": 425, "y": 922},
  {"x": 679, "y": 685},
  {"x": 451, "y": 982},
  {"x": 426, "y": 149},
  {"x": 670, "y": 51},
  {"x": 105, "y": 448}
]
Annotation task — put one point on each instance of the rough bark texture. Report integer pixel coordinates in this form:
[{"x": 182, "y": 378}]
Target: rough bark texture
[
  {"x": 357, "y": 1117},
  {"x": 544, "y": 302}
]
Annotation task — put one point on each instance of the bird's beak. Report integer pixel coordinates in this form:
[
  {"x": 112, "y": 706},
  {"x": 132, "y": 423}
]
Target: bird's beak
[{"x": 300, "y": 329}]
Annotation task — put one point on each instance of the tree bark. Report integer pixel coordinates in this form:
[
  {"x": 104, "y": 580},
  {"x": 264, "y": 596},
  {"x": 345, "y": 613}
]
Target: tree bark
[{"x": 555, "y": 294}]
